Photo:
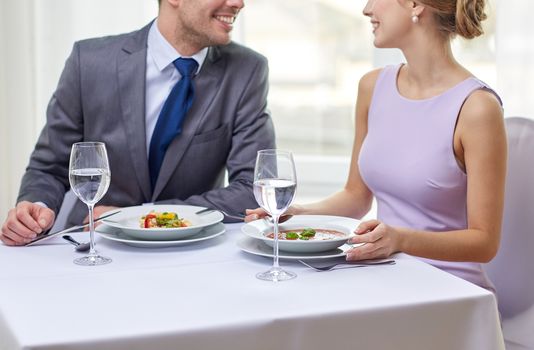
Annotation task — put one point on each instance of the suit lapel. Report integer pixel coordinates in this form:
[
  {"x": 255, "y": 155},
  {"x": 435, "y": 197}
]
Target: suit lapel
[
  {"x": 206, "y": 86},
  {"x": 131, "y": 70}
]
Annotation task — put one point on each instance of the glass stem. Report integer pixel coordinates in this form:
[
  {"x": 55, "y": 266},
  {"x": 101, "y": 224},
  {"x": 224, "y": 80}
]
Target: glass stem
[
  {"x": 92, "y": 250},
  {"x": 275, "y": 246}
]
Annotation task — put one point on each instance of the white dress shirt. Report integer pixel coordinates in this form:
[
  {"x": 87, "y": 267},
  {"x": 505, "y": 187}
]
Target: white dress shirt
[{"x": 161, "y": 76}]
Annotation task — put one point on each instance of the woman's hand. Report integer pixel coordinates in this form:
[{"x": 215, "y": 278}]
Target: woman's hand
[
  {"x": 255, "y": 214},
  {"x": 259, "y": 213},
  {"x": 380, "y": 241}
]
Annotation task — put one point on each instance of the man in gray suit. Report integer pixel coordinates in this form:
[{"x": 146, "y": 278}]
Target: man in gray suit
[{"x": 112, "y": 90}]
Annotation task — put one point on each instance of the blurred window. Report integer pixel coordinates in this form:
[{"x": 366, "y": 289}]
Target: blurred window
[{"x": 317, "y": 51}]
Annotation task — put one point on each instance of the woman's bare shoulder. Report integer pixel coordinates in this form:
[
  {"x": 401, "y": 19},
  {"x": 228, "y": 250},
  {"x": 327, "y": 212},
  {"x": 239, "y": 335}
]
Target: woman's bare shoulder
[
  {"x": 368, "y": 81},
  {"x": 366, "y": 87},
  {"x": 482, "y": 106}
]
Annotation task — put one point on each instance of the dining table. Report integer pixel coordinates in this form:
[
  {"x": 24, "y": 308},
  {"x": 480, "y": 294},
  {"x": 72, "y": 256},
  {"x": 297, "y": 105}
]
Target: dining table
[{"x": 205, "y": 295}]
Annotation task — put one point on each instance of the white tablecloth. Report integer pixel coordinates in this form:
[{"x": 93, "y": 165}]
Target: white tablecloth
[{"x": 205, "y": 296}]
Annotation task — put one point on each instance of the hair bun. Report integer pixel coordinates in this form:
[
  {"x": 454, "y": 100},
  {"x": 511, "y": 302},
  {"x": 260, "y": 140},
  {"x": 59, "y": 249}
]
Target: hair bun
[{"x": 469, "y": 17}]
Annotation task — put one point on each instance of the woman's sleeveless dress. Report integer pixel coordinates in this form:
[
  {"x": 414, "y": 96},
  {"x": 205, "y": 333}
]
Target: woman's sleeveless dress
[{"x": 407, "y": 160}]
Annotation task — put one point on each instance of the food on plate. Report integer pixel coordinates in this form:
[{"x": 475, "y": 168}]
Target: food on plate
[
  {"x": 308, "y": 234},
  {"x": 162, "y": 220}
]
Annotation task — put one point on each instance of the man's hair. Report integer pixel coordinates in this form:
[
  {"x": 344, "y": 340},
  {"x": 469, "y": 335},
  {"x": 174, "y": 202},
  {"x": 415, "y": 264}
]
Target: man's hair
[{"x": 159, "y": 2}]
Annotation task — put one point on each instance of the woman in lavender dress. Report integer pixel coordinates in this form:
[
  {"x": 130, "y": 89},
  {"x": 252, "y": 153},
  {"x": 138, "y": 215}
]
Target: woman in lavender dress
[{"x": 430, "y": 145}]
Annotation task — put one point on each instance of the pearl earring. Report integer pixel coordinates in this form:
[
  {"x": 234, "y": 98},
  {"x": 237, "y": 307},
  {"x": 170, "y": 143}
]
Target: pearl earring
[{"x": 415, "y": 19}]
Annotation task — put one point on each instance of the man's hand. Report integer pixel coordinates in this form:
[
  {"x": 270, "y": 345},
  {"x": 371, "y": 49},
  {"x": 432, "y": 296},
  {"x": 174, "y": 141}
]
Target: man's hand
[
  {"x": 97, "y": 212},
  {"x": 25, "y": 222}
]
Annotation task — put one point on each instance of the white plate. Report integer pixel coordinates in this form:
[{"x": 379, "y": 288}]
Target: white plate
[
  {"x": 117, "y": 235},
  {"x": 259, "y": 230},
  {"x": 257, "y": 247},
  {"x": 128, "y": 221}
]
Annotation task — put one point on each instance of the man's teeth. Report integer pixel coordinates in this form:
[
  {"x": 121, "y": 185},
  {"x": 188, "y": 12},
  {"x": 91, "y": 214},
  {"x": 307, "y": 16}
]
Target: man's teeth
[{"x": 226, "y": 19}]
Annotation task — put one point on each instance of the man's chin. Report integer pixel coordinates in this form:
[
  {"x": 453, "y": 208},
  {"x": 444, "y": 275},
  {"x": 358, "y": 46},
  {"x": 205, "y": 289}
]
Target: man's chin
[{"x": 220, "y": 40}]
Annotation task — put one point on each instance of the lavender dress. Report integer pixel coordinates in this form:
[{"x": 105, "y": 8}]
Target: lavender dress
[{"x": 407, "y": 161}]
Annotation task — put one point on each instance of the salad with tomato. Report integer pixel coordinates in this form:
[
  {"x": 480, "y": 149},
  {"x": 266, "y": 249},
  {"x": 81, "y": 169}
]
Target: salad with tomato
[{"x": 162, "y": 220}]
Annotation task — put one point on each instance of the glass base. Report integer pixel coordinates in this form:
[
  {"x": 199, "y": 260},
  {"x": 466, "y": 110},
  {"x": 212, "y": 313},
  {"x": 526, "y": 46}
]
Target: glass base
[
  {"x": 276, "y": 274},
  {"x": 92, "y": 260}
]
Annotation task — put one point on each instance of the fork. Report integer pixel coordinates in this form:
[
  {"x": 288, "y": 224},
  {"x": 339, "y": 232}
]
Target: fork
[
  {"x": 348, "y": 264},
  {"x": 267, "y": 219},
  {"x": 209, "y": 210}
]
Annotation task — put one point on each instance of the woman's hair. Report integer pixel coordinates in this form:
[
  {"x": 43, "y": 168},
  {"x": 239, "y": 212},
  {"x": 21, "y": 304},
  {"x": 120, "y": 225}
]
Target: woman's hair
[{"x": 458, "y": 17}]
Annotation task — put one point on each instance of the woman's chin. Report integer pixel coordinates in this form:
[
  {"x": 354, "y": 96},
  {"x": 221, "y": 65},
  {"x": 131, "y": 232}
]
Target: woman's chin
[{"x": 380, "y": 44}]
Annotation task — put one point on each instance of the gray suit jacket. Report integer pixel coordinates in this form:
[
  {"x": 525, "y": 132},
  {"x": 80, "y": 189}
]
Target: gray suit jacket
[{"x": 101, "y": 97}]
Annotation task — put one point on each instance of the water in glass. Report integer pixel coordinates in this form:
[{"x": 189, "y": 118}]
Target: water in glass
[
  {"x": 275, "y": 183},
  {"x": 90, "y": 184},
  {"x": 274, "y": 195},
  {"x": 89, "y": 178}
]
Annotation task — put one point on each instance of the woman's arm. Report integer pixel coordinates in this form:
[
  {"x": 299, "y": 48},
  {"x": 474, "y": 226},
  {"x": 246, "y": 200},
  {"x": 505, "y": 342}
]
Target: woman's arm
[
  {"x": 355, "y": 199},
  {"x": 480, "y": 144}
]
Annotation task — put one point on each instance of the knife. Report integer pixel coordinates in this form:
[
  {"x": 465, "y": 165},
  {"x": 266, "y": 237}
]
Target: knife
[{"x": 44, "y": 237}]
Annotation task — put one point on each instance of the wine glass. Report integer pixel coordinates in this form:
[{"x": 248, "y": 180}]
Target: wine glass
[
  {"x": 89, "y": 177},
  {"x": 275, "y": 182}
]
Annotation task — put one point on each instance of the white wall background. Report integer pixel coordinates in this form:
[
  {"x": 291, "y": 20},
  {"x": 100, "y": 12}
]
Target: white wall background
[
  {"x": 36, "y": 37},
  {"x": 515, "y": 56},
  {"x": 18, "y": 124}
]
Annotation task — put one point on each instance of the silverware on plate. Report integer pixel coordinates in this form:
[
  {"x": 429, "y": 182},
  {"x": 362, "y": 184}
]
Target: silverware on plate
[
  {"x": 348, "y": 264},
  {"x": 268, "y": 220},
  {"x": 209, "y": 210}
]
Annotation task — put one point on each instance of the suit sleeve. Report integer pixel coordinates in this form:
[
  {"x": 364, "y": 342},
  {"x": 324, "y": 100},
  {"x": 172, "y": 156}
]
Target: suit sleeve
[
  {"x": 46, "y": 177},
  {"x": 253, "y": 131}
]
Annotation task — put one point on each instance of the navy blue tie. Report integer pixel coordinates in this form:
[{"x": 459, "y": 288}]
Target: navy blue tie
[{"x": 172, "y": 115}]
